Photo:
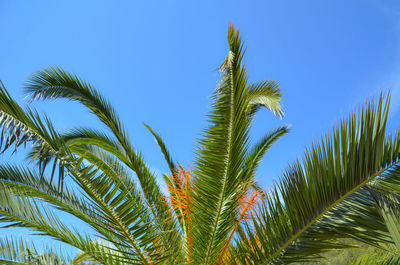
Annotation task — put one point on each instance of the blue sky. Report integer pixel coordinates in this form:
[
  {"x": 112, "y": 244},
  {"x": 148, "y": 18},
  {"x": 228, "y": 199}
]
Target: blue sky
[{"x": 156, "y": 61}]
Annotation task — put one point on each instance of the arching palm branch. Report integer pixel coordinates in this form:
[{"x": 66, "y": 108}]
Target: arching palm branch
[
  {"x": 214, "y": 214},
  {"x": 20, "y": 252}
]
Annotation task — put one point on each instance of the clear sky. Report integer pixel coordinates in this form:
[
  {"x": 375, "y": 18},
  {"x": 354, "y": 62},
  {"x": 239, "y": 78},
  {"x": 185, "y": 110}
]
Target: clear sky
[{"x": 156, "y": 61}]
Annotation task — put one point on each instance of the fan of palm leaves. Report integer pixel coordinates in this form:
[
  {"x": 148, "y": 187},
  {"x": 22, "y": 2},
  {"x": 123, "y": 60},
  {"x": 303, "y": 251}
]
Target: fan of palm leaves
[{"x": 214, "y": 213}]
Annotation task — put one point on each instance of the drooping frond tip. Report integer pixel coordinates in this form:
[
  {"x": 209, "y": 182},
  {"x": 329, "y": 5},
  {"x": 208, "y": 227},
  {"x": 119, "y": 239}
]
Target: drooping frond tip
[{"x": 266, "y": 93}]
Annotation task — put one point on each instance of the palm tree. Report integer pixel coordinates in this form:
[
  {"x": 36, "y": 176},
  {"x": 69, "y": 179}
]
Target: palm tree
[{"x": 214, "y": 213}]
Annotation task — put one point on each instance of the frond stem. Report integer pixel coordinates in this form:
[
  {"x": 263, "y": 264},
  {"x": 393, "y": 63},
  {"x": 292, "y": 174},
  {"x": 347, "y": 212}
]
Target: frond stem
[{"x": 225, "y": 176}]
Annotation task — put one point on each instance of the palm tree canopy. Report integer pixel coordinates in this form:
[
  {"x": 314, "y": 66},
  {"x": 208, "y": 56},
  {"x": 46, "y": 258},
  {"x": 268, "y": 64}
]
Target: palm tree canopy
[{"x": 215, "y": 213}]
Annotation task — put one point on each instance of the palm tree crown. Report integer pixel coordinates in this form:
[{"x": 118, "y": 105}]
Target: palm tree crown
[{"x": 215, "y": 213}]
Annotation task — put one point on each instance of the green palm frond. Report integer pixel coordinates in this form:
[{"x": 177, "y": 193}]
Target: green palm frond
[
  {"x": 333, "y": 170},
  {"x": 388, "y": 207},
  {"x": 223, "y": 149},
  {"x": 360, "y": 216},
  {"x": 18, "y": 251},
  {"x": 33, "y": 185},
  {"x": 55, "y": 83},
  {"x": 370, "y": 215},
  {"x": 258, "y": 151},
  {"x": 106, "y": 155},
  {"x": 20, "y": 126},
  {"x": 19, "y": 211},
  {"x": 265, "y": 94},
  {"x": 107, "y": 195},
  {"x": 168, "y": 158}
]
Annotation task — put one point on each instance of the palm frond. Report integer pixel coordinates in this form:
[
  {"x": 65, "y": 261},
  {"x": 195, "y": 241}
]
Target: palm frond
[
  {"x": 55, "y": 83},
  {"x": 333, "y": 170},
  {"x": 105, "y": 193},
  {"x": 258, "y": 151},
  {"x": 222, "y": 151},
  {"x": 265, "y": 94},
  {"x": 168, "y": 158},
  {"x": 17, "y": 211},
  {"x": 389, "y": 209},
  {"x": 20, "y": 126},
  {"x": 360, "y": 216},
  {"x": 18, "y": 251},
  {"x": 106, "y": 155}
]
